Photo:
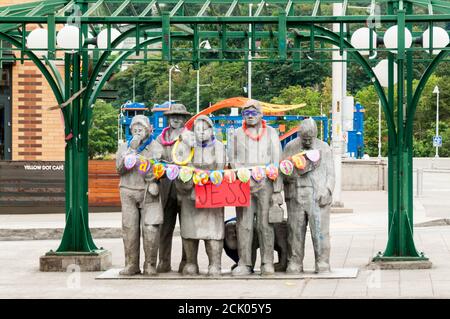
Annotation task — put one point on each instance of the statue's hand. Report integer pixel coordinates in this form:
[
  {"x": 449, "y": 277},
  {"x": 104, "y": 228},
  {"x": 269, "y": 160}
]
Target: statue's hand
[
  {"x": 277, "y": 199},
  {"x": 153, "y": 189},
  {"x": 135, "y": 142},
  {"x": 325, "y": 198}
]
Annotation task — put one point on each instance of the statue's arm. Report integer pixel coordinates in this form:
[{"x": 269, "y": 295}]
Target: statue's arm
[
  {"x": 221, "y": 156},
  {"x": 276, "y": 158},
  {"x": 288, "y": 181},
  {"x": 121, "y": 153},
  {"x": 232, "y": 150},
  {"x": 329, "y": 164},
  {"x": 156, "y": 150}
]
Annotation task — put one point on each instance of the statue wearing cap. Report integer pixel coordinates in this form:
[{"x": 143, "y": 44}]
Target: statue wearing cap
[
  {"x": 256, "y": 144},
  {"x": 139, "y": 195},
  {"x": 308, "y": 193},
  {"x": 177, "y": 115},
  {"x": 201, "y": 223}
]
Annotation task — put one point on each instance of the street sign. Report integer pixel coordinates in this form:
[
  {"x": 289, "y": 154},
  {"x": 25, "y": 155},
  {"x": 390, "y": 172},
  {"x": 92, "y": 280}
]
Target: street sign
[{"x": 437, "y": 141}]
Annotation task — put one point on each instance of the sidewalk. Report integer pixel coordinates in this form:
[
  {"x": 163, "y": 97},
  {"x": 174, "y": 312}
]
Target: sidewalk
[{"x": 355, "y": 239}]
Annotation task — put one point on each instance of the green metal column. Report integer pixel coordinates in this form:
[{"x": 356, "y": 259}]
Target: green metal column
[
  {"x": 400, "y": 246},
  {"x": 77, "y": 238}
]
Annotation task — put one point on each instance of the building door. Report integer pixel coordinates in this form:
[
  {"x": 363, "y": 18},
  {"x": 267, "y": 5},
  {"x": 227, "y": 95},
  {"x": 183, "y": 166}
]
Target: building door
[{"x": 5, "y": 112}]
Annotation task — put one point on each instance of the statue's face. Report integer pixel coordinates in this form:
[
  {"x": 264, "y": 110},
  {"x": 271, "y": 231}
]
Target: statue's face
[
  {"x": 230, "y": 235},
  {"x": 306, "y": 141},
  {"x": 140, "y": 131},
  {"x": 203, "y": 132},
  {"x": 177, "y": 121},
  {"x": 252, "y": 116}
]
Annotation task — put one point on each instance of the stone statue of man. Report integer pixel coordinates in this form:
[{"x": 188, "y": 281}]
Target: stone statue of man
[
  {"x": 141, "y": 205},
  {"x": 177, "y": 115},
  {"x": 256, "y": 144},
  {"x": 308, "y": 194},
  {"x": 202, "y": 223}
]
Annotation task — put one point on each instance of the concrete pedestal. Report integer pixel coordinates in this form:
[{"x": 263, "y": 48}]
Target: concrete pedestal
[
  {"x": 338, "y": 207},
  {"x": 413, "y": 264},
  {"x": 97, "y": 261},
  {"x": 335, "y": 273}
]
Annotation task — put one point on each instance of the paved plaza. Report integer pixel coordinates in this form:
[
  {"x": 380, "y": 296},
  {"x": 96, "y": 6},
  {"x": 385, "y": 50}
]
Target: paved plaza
[{"x": 355, "y": 239}]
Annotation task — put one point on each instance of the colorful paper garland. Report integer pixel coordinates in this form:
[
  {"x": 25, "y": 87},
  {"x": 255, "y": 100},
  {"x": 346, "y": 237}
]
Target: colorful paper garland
[
  {"x": 216, "y": 178},
  {"x": 186, "y": 174},
  {"x": 299, "y": 161},
  {"x": 130, "y": 161},
  {"x": 258, "y": 174},
  {"x": 200, "y": 177},
  {"x": 172, "y": 171},
  {"x": 158, "y": 170},
  {"x": 313, "y": 155},
  {"x": 272, "y": 172},
  {"x": 229, "y": 176},
  {"x": 243, "y": 174}
]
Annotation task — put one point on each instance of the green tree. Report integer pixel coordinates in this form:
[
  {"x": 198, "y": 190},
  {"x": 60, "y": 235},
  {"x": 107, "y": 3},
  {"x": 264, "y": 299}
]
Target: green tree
[
  {"x": 368, "y": 98},
  {"x": 103, "y": 132},
  {"x": 147, "y": 78}
]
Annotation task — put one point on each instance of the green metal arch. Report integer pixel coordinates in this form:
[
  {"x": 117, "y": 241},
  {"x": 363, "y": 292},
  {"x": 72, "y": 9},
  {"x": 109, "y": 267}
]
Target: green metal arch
[
  {"x": 46, "y": 74},
  {"x": 120, "y": 59},
  {"x": 333, "y": 38},
  {"x": 329, "y": 36},
  {"x": 420, "y": 87},
  {"x": 105, "y": 56},
  {"x": 39, "y": 64}
]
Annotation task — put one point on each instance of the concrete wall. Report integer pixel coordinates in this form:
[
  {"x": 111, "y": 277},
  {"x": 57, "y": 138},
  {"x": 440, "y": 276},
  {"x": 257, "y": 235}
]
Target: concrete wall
[
  {"x": 364, "y": 175},
  {"x": 431, "y": 163},
  {"x": 370, "y": 175}
]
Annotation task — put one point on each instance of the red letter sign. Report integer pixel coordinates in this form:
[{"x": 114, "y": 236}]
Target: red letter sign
[{"x": 212, "y": 196}]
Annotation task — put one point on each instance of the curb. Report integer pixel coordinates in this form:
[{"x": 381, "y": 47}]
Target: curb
[{"x": 17, "y": 234}]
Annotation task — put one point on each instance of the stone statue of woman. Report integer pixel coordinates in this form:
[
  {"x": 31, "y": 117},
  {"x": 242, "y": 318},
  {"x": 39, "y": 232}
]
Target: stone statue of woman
[{"x": 202, "y": 223}]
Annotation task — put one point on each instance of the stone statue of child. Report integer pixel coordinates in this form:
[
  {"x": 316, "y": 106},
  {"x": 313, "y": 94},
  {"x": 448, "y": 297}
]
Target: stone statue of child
[
  {"x": 256, "y": 144},
  {"x": 141, "y": 205},
  {"x": 177, "y": 116},
  {"x": 308, "y": 194},
  {"x": 201, "y": 223}
]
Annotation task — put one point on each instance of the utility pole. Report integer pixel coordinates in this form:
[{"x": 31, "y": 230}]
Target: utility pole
[
  {"x": 249, "y": 64},
  {"x": 436, "y": 91},
  {"x": 339, "y": 91}
]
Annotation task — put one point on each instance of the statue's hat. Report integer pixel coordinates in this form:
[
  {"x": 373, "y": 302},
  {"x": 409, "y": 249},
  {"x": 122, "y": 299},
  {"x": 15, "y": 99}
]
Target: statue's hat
[{"x": 177, "y": 109}]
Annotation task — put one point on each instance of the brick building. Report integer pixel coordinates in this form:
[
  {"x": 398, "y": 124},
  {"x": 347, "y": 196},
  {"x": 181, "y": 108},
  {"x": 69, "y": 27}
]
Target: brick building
[{"x": 28, "y": 131}]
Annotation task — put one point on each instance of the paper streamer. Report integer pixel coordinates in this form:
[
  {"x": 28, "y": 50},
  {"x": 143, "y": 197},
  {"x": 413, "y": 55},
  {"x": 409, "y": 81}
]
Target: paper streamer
[
  {"x": 130, "y": 161},
  {"x": 258, "y": 173},
  {"x": 216, "y": 178}
]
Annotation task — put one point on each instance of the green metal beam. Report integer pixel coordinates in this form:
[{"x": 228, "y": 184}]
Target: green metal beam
[
  {"x": 148, "y": 8},
  {"x": 259, "y": 9},
  {"x": 316, "y": 8},
  {"x": 176, "y": 8},
  {"x": 331, "y": 36},
  {"x": 204, "y": 8},
  {"x": 291, "y": 20},
  {"x": 4, "y": 12},
  {"x": 92, "y": 9},
  {"x": 35, "y": 10},
  {"x": 231, "y": 8},
  {"x": 121, "y": 8},
  {"x": 66, "y": 7},
  {"x": 289, "y": 8},
  {"x": 420, "y": 87}
]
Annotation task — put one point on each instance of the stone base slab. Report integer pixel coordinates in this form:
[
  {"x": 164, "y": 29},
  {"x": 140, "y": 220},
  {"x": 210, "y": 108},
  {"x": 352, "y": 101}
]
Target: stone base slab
[
  {"x": 77, "y": 262},
  {"x": 413, "y": 264},
  {"x": 341, "y": 210},
  {"x": 336, "y": 273}
]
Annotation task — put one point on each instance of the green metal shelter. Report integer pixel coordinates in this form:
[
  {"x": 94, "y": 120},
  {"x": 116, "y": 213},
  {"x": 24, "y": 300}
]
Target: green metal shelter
[{"x": 238, "y": 30}]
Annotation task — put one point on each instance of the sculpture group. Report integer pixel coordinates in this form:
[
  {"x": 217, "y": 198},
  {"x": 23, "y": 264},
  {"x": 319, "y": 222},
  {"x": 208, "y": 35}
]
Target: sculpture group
[{"x": 151, "y": 202}]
